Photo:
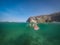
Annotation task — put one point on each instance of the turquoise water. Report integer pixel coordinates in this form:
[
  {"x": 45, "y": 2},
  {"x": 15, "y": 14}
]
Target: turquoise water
[{"x": 21, "y": 34}]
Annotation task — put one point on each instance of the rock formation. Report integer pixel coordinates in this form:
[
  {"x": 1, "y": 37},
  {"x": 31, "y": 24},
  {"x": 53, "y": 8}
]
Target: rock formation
[{"x": 45, "y": 18}]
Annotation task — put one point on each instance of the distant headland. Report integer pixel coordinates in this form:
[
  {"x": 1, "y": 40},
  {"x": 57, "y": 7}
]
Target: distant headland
[{"x": 54, "y": 17}]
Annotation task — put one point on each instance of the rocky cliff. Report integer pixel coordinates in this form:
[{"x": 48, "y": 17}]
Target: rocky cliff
[{"x": 46, "y": 18}]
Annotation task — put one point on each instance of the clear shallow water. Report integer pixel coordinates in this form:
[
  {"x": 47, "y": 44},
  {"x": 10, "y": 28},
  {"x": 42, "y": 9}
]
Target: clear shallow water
[{"x": 22, "y": 34}]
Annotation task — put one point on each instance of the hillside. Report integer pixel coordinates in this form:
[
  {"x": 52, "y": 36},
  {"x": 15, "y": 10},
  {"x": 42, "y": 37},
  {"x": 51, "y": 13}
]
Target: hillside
[
  {"x": 47, "y": 18},
  {"x": 56, "y": 17}
]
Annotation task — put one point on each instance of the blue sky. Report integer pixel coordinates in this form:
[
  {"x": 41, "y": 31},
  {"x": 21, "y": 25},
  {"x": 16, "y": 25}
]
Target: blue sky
[{"x": 21, "y": 10}]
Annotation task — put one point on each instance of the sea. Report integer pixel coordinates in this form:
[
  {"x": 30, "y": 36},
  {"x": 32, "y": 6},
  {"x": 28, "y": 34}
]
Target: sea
[{"x": 20, "y": 33}]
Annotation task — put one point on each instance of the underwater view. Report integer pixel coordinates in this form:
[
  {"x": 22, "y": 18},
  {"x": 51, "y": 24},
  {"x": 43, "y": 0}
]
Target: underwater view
[{"x": 15, "y": 33}]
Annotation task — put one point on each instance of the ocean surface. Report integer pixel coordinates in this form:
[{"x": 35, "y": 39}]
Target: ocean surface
[{"x": 12, "y": 33}]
